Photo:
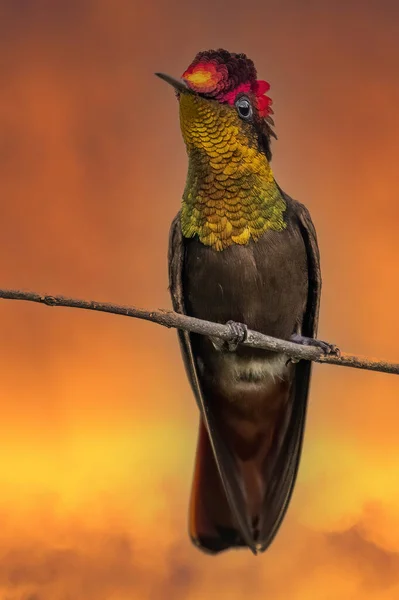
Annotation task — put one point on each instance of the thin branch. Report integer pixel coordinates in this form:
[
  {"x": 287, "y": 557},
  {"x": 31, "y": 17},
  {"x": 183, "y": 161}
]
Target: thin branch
[{"x": 169, "y": 318}]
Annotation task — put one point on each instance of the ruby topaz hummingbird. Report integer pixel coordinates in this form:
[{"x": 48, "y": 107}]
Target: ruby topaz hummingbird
[{"x": 240, "y": 251}]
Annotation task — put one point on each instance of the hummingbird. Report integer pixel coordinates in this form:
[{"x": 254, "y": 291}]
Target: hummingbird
[{"x": 242, "y": 252}]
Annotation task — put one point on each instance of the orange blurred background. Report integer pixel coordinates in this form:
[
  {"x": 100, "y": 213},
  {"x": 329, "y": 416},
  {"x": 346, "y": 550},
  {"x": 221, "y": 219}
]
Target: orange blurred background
[{"x": 98, "y": 424}]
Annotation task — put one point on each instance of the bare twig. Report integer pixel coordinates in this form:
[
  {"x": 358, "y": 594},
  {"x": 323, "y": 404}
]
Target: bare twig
[{"x": 169, "y": 318}]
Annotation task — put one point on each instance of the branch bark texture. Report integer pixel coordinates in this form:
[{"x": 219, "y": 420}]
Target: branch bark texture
[{"x": 169, "y": 318}]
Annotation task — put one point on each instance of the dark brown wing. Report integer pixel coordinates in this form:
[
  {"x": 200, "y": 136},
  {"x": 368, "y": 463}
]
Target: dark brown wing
[
  {"x": 224, "y": 461},
  {"x": 285, "y": 468}
]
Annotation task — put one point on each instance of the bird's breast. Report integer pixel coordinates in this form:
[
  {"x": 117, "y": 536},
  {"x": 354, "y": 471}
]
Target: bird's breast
[{"x": 263, "y": 285}]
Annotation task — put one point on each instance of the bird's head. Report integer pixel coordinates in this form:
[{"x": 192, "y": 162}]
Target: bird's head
[{"x": 223, "y": 104}]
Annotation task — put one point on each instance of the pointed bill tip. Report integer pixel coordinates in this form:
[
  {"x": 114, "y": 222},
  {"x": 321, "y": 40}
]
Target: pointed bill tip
[{"x": 179, "y": 84}]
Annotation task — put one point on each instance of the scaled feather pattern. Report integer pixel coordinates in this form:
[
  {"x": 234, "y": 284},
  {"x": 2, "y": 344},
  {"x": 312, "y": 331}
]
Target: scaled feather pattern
[{"x": 231, "y": 196}]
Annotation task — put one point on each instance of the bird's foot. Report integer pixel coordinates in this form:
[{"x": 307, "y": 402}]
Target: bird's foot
[
  {"x": 325, "y": 346},
  {"x": 239, "y": 332}
]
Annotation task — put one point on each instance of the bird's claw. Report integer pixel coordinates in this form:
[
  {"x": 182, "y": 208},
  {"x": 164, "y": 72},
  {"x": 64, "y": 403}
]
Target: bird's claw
[
  {"x": 239, "y": 331},
  {"x": 292, "y": 360},
  {"x": 324, "y": 346}
]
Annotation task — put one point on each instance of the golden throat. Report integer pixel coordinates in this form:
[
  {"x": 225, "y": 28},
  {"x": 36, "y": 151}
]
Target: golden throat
[{"x": 230, "y": 196}]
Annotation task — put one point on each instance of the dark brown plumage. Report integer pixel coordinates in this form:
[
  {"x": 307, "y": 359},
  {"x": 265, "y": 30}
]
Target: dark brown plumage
[{"x": 273, "y": 286}]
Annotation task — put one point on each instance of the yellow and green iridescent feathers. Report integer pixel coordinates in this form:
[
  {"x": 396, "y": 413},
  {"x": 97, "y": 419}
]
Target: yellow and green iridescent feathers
[{"x": 230, "y": 196}]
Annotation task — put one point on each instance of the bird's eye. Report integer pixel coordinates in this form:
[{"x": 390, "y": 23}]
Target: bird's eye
[{"x": 244, "y": 108}]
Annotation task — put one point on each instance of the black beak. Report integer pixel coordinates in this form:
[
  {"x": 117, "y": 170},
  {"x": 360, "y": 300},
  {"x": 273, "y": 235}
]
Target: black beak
[{"x": 179, "y": 85}]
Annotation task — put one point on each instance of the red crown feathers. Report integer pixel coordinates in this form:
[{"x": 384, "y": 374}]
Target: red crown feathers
[{"x": 222, "y": 75}]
